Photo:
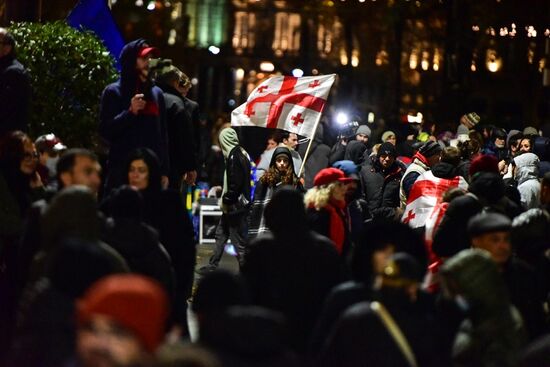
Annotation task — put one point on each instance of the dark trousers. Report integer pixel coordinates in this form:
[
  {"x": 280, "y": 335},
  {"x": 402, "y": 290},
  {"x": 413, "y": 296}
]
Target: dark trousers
[{"x": 230, "y": 227}]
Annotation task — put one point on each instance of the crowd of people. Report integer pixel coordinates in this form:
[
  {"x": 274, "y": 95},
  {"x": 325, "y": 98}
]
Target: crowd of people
[{"x": 387, "y": 250}]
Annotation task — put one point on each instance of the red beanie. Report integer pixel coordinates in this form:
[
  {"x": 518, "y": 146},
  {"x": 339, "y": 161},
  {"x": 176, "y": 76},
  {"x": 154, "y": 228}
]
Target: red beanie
[
  {"x": 134, "y": 301},
  {"x": 483, "y": 163}
]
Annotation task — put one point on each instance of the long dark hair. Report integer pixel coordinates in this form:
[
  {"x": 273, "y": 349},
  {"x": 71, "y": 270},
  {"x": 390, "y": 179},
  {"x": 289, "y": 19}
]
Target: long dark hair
[
  {"x": 12, "y": 152},
  {"x": 152, "y": 162}
]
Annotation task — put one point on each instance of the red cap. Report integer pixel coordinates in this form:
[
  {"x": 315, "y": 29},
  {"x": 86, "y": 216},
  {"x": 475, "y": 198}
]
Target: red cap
[
  {"x": 133, "y": 301},
  {"x": 145, "y": 51},
  {"x": 330, "y": 175}
]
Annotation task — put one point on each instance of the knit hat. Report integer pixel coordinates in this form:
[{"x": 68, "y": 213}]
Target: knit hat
[
  {"x": 483, "y": 163},
  {"x": 364, "y": 130},
  {"x": 386, "y": 135},
  {"x": 133, "y": 301},
  {"x": 329, "y": 175},
  {"x": 488, "y": 222},
  {"x": 430, "y": 148},
  {"x": 529, "y": 130},
  {"x": 387, "y": 149},
  {"x": 470, "y": 120}
]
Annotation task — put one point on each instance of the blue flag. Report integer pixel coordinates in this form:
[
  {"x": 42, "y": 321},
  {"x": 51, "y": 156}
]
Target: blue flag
[{"x": 95, "y": 16}]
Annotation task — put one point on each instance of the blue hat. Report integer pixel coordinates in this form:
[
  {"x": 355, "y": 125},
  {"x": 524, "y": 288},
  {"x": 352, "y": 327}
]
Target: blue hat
[{"x": 349, "y": 168}]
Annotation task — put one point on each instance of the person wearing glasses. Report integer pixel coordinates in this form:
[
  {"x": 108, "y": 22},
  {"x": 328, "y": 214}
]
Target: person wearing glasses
[
  {"x": 20, "y": 185},
  {"x": 182, "y": 146},
  {"x": 15, "y": 87}
]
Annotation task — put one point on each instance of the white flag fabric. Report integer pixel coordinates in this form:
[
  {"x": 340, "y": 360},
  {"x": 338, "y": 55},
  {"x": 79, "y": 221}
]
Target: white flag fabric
[
  {"x": 286, "y": 102},
  {"x": 424, "y": 203}
]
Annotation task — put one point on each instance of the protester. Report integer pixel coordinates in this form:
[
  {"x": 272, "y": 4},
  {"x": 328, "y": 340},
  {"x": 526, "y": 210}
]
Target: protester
[
  {"x": 310, "y": 266},
  {"x": 235, "y": 199},
  {"x": 49, "y": 148},
  {"x": 121, "y": 320},
  {"x": 427, "y": 156},
  {"x": 317, "y": 159},
  {"x": 15, "y": 88},
  {"x": 163, "y": 210},
  {"x": 526, "y": 173},
  {"x": 381, "y": 181},
  {"x": 390, "y": 329},
  {"x": 280, "y": 173},
  {"x": 78, "y": 166},
  {"x": 326, "y": 204},
  {"x": 182, "y": 149},
  {"x": 389, "y": 136},
  {"x": 20, "y": 185},
  {"x": 132, "y": 114},
  {"x": 492, "y": 333}
]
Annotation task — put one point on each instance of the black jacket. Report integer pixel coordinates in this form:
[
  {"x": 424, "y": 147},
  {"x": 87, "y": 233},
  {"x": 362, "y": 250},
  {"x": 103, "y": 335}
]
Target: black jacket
[
  {"x": 15, "y": 94},
  {"x": 139, "y": 245},
  {"x": 237, "y": 168},
  {"x": 293, "y": 277},
  {"x": 183, "y": 145},
  {"x": 382, "y": 188}
]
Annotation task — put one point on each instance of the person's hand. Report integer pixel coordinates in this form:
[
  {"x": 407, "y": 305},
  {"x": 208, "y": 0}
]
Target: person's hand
[
  {"x": 137, "y": 104},
  {"x": 502, "y": 167},
  {"x": 190, "y": 177},
  {"x": 164, "y": 182},
  {"x": 410, "y": 137}
]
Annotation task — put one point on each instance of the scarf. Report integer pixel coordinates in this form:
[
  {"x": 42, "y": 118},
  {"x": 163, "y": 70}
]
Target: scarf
[{"x": 337, "y": 231}]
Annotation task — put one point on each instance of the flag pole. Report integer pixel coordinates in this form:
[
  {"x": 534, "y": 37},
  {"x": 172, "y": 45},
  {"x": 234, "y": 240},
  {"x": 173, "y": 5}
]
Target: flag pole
[{"x": 309, "y": 147}]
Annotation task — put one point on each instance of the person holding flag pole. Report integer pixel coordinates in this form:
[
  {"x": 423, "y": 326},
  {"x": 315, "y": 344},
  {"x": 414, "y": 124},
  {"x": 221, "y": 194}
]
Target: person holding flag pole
[{"x": 293, "y": 104}]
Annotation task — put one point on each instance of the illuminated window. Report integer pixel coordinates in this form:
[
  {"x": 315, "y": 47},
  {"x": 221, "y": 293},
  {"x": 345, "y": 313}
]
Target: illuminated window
[
  {"x": 207, "y": 21},
  {"x": 287, "y": 32}
]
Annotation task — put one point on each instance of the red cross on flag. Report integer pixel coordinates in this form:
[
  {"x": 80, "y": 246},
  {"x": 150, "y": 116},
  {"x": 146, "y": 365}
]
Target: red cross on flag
[
  {"x": 286, "y": 102},
  {"x": 424, "y": 206}
]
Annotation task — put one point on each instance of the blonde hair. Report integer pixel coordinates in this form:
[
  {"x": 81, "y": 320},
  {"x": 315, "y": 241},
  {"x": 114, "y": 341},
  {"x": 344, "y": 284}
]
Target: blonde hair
[{"x": 319, "y": 196}]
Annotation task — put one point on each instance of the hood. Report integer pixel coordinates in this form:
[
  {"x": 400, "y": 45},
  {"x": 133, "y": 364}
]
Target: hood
[
  {"x": 286, "y": 152},
  {"x": 487, "y": 186},
  {"x": 355, "y": 151},
  {"x": 474, "y": 275},
  {"x": 128, "y": 57},
  {"x": 134, "y": 240},
  {"x": 71, "y": 213},
  {"x": 152, "y": 162},
  {"x": 319, "y": 134},
  {"x": 444, "y": 170},
  {"x": 527, "y": 167},
  {"x": 228, "y": 140}
]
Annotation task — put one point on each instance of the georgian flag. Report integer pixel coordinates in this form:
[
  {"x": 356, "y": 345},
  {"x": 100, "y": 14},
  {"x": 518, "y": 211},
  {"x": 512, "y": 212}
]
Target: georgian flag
[
  {"x": 286, "y": 102},
  {"x": 424, "y": 206}
]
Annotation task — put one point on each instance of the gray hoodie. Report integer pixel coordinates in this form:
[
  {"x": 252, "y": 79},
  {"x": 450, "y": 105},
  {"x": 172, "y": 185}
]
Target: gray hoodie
[{"x": 526, "y": 174}]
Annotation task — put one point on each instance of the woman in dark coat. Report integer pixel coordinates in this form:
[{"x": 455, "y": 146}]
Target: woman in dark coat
[
  {"x": 135, "y": 241},
  {"x": 280, "y": 173},
  {"x": 20, "y": 185},
  {"x": 164, "y": 211}
]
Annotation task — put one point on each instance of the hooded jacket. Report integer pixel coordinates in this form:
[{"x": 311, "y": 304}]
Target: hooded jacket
[
  {"x": 124, "y": 131},
  {"x": 237, "y": 169},
  {"x": 527, "y": 166},
  {"x": 355, "y": 151},
  {"x": 183, "y": 149},
  {"x": 492, "y": 333},
  {"x": 317, "y": 159},
  {"x": 15, "y": 94}
]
